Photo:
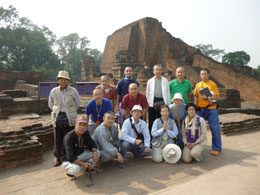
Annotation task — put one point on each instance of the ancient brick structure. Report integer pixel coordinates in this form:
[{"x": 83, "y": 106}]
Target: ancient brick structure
[
  {"x": 8, "y": 79},
  {"x": 24, "y": 145},
  {"x": 87, "y": 68},
  {"x": 145, "y": 43},
  {"x": 237, "y": 123},
  {"x": 10, "y": 106}
]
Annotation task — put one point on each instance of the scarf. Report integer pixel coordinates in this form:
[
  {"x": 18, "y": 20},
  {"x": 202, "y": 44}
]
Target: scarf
[{"x": 192, "y": 123}]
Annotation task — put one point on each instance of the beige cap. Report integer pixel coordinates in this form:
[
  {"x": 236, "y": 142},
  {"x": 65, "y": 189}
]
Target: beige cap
[{"x": 63, "y": 74}]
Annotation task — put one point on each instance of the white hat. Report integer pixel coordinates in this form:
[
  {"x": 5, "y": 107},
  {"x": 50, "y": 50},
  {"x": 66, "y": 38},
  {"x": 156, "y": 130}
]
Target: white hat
[
  {"x": 63, "y": 74},
  {"x": 177, "y": 96},
  {"x": 137, "y": 107},
  {"x": 171, "y": 153}
]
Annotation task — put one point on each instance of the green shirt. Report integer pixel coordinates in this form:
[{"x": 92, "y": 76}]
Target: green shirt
[{"x": 184, "y": 88}]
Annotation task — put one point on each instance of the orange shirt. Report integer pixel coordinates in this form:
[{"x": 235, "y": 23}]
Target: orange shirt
[
  {"x": 212, "y": 87},
  {"x": 111, "y": 94}
]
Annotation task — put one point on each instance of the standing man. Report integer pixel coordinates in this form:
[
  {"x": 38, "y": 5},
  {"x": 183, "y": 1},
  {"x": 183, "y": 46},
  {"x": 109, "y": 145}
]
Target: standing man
[
  {"x": 157, "y": 90},
  {"x": 122, "y": 90},
  {"x": 208, "y": 110},
  {"x": 64, "y": 103},
  {"x": 97, "y": 107},
  {"x": 131, "y": 139},
  {"x": 134, "y": 98},
  {"x": 109, "y": 91},
  {"x": 181, "y": 85},
  {"x": 80, "y": 151},
  {"x": 107, "y": 140}
]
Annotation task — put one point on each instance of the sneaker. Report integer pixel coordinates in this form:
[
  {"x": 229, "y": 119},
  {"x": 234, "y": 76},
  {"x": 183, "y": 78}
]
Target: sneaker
[
  {"x": 215, "y": 152},
  {"x": 70, "y": 177},
  {"x": 200, "y": 158},
  {"x": 57, "y": 163},
  {"x": 121, "y": 165}
]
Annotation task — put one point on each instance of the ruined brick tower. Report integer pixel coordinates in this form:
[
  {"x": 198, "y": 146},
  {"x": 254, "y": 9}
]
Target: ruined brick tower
[{"x": 145, "y": 42}]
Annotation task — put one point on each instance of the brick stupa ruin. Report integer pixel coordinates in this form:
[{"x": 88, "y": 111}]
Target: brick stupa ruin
[{"x": 145, "y": 42}]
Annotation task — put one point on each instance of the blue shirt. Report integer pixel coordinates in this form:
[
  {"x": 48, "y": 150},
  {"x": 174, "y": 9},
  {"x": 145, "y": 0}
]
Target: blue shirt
[
  {"x": 128, "y": 133},
  {"x": 171, "y": 133},
  {"x": 122, "y": 87},
  {"x": 180, "y": 112},
  {"x": 92, "y": 109}
]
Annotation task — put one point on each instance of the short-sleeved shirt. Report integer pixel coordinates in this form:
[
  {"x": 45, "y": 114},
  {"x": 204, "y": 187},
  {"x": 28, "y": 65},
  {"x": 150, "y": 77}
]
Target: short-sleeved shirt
[
  {"x": 122, "y": 87},
  {"x": 180, "y": 112},
  {"x": 184, "y": 88},
  {"x": 128, "y": 102},
  {"x": 92, "y": 109},
  {"x": 212, "y": 87},
  {"x": 111, "y": 94},
  {"x": 72, "y": 147}
]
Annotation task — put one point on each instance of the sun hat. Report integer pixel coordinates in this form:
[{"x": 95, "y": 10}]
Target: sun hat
[
  {"x": 177, "y": 96},
  {"x": 171, "y": 153},
  {"x": 136, "y": 107},
  {"x": 63, "y": 74}
]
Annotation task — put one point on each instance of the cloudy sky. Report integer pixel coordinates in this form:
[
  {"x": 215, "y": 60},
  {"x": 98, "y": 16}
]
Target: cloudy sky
[{"x": 233, "y": 25}]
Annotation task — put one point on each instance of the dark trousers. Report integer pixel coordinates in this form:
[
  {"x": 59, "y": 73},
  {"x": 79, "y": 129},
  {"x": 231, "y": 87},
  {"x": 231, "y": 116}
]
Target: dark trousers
[
  {"x": 61, "y": 129},
  {"x": 153, "y": 115}
]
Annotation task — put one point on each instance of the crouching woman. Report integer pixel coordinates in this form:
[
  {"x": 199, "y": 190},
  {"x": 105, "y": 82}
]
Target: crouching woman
[
  {"x": 194, "y": 134},
  {"x": 164, "y": 131}
]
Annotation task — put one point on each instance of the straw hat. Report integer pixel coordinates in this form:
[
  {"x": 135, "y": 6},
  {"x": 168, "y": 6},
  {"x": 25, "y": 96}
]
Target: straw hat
[
  {"x": 63, "y": 74},
  {"x": 171, "y": 153}
]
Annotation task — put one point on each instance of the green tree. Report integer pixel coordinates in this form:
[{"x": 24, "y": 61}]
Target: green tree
[
  {"x": 256, "y": 71},
  {"x": 23, "y": 45},
  {"x": 208, "y": 50},
  {"x": 240, "y": 58}
]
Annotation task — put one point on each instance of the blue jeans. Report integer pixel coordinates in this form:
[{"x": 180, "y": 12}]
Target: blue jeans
[
  {"x": 211, "y": 115},
  {"x": 138, "y": 152}
]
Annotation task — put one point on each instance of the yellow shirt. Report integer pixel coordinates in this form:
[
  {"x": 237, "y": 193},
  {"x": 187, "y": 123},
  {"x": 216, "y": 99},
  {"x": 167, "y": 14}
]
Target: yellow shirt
[{"x": 212, "y": 87}]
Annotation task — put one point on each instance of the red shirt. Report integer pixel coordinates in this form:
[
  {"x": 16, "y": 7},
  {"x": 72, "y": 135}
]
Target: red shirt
[
  {"x": 111, "y": 94},
  {"x": 128, "y": 102}
]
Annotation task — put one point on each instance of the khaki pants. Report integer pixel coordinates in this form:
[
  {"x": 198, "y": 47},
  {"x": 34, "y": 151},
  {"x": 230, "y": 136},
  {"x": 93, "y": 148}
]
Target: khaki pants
[
  {"x": 157, "y": 152},
  {"x": 195, "y": 153}
]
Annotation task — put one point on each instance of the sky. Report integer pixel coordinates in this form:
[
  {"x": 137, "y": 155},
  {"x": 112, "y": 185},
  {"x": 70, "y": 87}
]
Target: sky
[{"x": 233, "y": 25}]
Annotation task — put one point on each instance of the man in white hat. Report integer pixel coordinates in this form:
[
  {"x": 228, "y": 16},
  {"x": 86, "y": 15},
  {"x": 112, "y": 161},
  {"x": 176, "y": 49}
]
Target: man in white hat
[
  {"x": 135, "y": 136},
  {"x": 157, "y": 90},
  {"x": 64, "y": 102},
  {"x": 181, "y": 85}
]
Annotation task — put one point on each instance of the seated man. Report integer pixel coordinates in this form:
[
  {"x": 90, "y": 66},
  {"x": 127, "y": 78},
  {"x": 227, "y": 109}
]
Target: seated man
[
  {"x": 80, "y": 150},
  {"x": 135, "y": 136},
  {"x": 134, "y": 97},
  {"x": 97, "y": 107},
  {"x": 106, "y": 138}
]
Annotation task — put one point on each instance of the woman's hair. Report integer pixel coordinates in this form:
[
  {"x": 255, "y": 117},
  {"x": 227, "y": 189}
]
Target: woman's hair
[
  {"x": 189, "y": 105},
  {"x": 164, "y": 106}
]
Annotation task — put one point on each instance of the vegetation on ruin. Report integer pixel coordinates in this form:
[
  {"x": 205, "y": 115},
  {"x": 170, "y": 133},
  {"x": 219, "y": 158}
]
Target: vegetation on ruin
[{"x": 25, "y": 46}]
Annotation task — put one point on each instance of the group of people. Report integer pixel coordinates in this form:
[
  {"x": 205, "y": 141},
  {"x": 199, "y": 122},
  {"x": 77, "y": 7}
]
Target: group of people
[{"x": 176, "y": 128}]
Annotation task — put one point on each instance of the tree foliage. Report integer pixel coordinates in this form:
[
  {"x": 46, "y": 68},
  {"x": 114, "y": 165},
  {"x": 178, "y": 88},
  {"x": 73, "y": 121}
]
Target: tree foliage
[
  {"x": 25, "y": 46},
  {"x": 240, "y": 58},
  {"x": 208, "y": 50},
  {"x": 256, "y": 71}
]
